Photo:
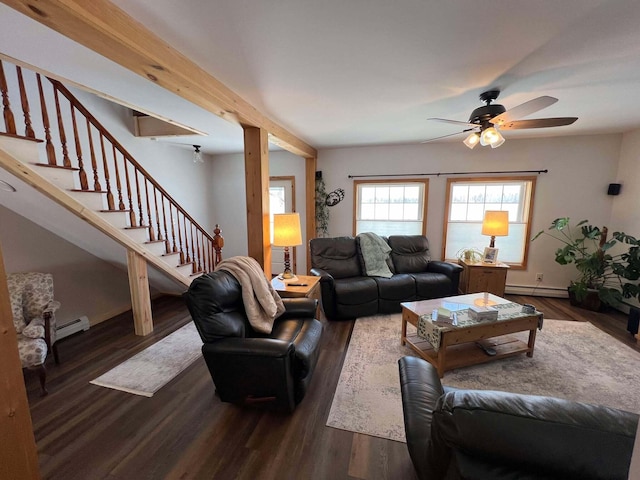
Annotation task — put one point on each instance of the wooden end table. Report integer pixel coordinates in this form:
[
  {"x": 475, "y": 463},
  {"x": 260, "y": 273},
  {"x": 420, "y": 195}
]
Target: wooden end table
[
  {"x": 310, "y": 288},
  {"x": 482, "y": 277},
  {"x": 458, "y": 344}
]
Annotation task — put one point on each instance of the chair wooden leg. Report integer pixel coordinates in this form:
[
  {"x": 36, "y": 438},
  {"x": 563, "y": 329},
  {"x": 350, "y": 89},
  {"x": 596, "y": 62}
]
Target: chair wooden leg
[
  {"x": 42, "y": 374},
  {"x": 55, "y": 354}
]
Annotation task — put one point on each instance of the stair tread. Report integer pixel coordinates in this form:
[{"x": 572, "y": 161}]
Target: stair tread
[
  {"x": 154, "y": 241},
  {"x": 87, "y": 191},
  {"x": 185, "y": 264},
  {"x": 136, "y": 228},
  {"x": 21, "y": 137},
  {"x": 114, "y": 211},
  {"x": 170, "y": 253},
  {"x": 39, "y": 164}
]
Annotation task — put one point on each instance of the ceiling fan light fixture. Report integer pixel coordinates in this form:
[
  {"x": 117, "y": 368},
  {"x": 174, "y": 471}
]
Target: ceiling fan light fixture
[
  {"x": 491, "y": 136},
  {"x": 472, "y": 140},
  {"x": 498, "y": 141},
  {"x": 197, "y": 155}
]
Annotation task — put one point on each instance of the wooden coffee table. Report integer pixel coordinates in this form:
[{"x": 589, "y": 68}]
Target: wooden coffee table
[{"x": 458, "y": 345}]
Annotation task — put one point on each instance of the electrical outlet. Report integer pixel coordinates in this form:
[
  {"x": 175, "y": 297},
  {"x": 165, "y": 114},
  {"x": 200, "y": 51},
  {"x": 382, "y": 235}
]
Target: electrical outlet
[{"x": 539, "y": 277}]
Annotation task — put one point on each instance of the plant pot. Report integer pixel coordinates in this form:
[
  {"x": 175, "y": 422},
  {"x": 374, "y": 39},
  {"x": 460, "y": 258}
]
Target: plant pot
[{"x": 590, "y": 302}]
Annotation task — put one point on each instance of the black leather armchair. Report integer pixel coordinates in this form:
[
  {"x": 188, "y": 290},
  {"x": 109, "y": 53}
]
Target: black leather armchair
[
  {"x": 247, "y": 366},
  {"x": 487, "y": 435}
]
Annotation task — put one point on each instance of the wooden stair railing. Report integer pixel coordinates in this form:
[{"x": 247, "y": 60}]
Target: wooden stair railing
[{"x": 112, "y": 169}]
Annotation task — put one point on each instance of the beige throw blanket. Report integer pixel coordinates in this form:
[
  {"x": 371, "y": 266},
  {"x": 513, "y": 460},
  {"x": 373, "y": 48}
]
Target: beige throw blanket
[{"x": 262, "y": 303}]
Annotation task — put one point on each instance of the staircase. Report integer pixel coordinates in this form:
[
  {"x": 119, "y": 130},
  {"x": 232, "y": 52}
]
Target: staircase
[{"x": 70, "y": 157}]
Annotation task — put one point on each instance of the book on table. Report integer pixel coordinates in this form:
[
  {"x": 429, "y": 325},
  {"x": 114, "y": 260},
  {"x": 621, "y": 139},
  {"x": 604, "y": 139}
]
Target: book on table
[{"x": 482, "y": 313}]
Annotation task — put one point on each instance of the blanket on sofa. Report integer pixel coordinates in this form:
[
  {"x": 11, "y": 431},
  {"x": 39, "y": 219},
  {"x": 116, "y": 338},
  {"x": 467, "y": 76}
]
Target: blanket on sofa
[
  {"x": 375, "y": 252},
  {"x": 262, "y": 303}
]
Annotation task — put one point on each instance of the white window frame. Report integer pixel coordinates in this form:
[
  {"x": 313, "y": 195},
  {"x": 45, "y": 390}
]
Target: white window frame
[
  {"x": 525, "y": 211},
  {"x": 422, "y": 208}
]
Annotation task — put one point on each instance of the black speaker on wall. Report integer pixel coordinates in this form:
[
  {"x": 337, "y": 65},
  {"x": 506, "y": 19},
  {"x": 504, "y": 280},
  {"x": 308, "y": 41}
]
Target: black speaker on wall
[{"x": 614, "y": 189}]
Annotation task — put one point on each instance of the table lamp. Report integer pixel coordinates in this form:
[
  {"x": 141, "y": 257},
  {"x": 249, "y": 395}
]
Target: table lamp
[
  {"x": 286, "y": 233},
  {"x": 496, "y": 224}
]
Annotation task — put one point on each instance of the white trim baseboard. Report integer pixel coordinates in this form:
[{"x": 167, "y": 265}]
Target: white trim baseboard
[{"x": 533, "y": 291}]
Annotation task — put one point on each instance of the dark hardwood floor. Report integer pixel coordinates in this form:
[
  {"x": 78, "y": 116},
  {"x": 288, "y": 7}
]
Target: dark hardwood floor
[{"x": 184, "y": 431}]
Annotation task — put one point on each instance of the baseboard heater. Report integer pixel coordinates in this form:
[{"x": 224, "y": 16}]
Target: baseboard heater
[{"x": 77, "y": 325}]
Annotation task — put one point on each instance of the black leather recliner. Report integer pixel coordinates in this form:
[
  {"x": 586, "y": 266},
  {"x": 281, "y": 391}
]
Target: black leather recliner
[
  {"x": 247, "y": 366},
  {"x": 475, "y": 434}
]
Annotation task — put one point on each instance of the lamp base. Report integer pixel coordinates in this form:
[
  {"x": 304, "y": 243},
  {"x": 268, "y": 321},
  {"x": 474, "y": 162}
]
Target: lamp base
[{"x": 285, "y": 280}]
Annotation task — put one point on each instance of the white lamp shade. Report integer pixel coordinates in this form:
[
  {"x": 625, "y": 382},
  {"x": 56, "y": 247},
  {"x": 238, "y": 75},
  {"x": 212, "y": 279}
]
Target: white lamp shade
[
  {"x": 491, "y": 136},
  {"x": 496, "y": 223},
  {"x": 286, "y": 230},
  {"x": 498, "y": 140},
  {"x": 472, "y": 140}
]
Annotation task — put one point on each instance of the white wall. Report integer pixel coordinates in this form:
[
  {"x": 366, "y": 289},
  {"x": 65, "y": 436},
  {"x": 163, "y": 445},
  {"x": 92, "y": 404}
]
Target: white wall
[
  {"x": 84, "y": 284},
  {"x": 580, "y": 169},
  {"x": 228, "y": 196},
  {"x": 626, "y": 214}
]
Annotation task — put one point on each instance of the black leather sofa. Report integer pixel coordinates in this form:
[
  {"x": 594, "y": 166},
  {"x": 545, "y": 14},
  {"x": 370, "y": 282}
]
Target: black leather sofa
[
  {"x": 247, "y": 366},
  {"x": 348, "y": 293},
  {"x": 488, "y": 435}
]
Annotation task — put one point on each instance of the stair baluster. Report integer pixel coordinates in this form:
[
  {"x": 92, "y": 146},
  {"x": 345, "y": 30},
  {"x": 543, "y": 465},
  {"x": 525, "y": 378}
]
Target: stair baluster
[
  {"x": 155, "y": 201},
  {"x": 118, "y": 184},
  {"x": 181, "y": 248},
  {"x": 63, "y": 137},
  {"x": 197, "y": 268},
  {"x": 94, "y": 163},
  {"x": 152, "y": 233},
  {"x": 186, "y": 241},
  {"x": 84, "y": 184},
  {"x": 167, "y": 245},
  {"x": 132, "y": 213},
  {"x": 107, "y": 179},
  {"x": 28, "y": 129},
  {"x": 51, "y": 152},
  {"x": 138, "y": 196},
  {"x": 9, "y": 121},
  {"x": 174, "y": 249}
]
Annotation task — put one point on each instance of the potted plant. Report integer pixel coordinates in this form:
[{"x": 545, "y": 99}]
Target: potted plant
[{"x": 608, "y": 269}]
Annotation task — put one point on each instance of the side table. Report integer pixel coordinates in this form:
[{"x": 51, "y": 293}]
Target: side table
[
  {"x": 483, "y": 277},
  {"x": 309, "y": 287}
]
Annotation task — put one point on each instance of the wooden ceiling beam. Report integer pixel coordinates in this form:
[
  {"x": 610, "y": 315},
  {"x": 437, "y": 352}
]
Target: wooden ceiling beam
[{"x": 102, "y": 27}]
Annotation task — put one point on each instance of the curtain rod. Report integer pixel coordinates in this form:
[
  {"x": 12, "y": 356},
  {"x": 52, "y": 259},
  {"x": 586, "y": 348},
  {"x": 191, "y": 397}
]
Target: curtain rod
[{"x": 437, "y": 174}]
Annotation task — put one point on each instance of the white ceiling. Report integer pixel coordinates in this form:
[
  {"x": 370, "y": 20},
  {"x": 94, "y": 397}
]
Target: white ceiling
[{"x": 366, "y": 72}]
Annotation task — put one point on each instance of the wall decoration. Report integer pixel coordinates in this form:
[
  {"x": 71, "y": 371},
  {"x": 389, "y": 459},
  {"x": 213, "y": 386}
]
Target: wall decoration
[
  {"x": 322, "y": 212},
  {"x": 335, "y": 197}
]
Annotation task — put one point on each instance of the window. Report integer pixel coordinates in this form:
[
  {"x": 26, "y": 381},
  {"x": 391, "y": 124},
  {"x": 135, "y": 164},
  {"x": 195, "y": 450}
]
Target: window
[
  {"x": 391, "y": 207},
  {"x": 467, "y": 200}
]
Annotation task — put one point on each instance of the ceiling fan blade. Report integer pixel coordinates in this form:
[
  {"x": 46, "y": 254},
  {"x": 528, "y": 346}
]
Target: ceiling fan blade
[
  {"x": 450, "y": 135},
  {"x": 538, "y": 123},
  {"x": 455, "y": 122},
  {"x": 522, "y": 110}
]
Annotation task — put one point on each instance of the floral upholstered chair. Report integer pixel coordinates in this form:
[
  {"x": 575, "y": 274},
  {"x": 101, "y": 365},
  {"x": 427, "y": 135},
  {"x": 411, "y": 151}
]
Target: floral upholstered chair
[{"x": 33, "y": 309}]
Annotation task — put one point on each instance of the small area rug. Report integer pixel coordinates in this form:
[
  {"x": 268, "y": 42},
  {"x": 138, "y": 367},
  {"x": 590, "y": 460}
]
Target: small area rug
[
  {"x": 146, "y": 372},
  {"x": 572, "y": 360}
]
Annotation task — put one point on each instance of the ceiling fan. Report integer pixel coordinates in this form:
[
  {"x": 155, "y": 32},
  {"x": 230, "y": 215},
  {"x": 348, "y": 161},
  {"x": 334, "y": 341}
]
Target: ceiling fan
[{"x": 486, "y": 122}]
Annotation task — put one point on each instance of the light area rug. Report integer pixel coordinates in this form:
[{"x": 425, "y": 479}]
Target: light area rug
[
  {"x": 572, "y": 360},
  {"x": 148, "y": 371}
]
